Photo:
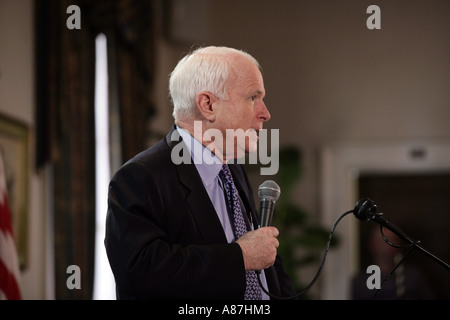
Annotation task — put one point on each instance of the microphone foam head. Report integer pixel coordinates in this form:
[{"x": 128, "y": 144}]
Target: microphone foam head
[{"x": 269, "y": 190}]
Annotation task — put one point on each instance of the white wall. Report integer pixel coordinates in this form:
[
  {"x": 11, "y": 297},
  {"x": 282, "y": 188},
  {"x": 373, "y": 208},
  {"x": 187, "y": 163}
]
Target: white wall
[{"x": 17, "y": 101}]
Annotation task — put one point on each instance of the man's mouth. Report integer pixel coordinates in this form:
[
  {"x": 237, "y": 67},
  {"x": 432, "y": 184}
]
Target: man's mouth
[{"x": 256, "y": 130}]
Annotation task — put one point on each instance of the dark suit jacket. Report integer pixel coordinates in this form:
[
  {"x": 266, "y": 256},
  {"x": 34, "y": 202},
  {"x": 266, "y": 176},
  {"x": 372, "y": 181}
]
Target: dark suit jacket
[{"x": 163, "y": 236}]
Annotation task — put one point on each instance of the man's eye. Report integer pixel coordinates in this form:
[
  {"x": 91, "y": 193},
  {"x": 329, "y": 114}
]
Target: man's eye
[{"x": 253, "y": 98}]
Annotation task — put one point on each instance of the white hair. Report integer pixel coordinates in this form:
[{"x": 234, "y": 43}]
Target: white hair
[{"x": 205, "y": 69}]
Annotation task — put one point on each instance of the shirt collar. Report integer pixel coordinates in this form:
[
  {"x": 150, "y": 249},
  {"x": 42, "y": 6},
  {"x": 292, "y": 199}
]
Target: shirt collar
[{"x": 206, "y": 162}]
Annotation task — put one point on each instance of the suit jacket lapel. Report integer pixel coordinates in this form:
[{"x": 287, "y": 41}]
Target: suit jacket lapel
[{"x": 197, "y": 198}]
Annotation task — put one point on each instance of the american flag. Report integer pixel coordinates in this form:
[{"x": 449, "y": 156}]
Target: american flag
[{"x": 9, "y": 263}]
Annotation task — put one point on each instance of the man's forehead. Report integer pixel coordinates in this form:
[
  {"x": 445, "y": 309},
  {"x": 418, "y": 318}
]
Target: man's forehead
[
  {"x": 251, "y": 84},
  {"x": 248, "y": 78}
]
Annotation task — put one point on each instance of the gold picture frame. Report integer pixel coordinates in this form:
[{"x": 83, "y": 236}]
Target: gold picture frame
[{"x": 14, "y": 149}]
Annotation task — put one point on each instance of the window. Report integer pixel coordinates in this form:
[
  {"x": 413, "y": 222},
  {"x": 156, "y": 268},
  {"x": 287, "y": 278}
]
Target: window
[{"x": 104, "y": 285}]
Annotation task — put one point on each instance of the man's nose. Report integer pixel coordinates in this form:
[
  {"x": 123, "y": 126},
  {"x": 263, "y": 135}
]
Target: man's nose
[{"x": 264, "y": 114}]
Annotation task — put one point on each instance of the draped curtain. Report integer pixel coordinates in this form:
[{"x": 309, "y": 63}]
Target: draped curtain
[{"x": 65, "y": 126}]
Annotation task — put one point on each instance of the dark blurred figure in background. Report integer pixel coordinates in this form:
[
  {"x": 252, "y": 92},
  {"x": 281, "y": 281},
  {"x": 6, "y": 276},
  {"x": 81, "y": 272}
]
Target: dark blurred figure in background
[{"x": 406, "y": 283}]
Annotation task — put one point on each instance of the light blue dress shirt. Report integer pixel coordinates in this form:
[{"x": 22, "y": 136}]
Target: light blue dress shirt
[{"x": 208, "y": 167}]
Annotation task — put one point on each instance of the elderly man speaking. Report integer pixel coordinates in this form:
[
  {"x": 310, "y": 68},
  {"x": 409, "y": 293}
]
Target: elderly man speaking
[{"x": 189, "y": 229}]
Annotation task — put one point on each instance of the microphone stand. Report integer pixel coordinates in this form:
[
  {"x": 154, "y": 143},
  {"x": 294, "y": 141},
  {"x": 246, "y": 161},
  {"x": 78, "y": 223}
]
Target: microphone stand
[{"x": 415, "y": 244}]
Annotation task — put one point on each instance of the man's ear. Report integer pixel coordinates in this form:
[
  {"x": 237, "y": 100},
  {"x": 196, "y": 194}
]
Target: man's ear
[{"x": 205, "y": 101}]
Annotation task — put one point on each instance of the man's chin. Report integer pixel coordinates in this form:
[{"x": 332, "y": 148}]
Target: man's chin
[
  {"x": 242, "y": 151},
  {"x": 249, "y": 148},
  {"x": 252, "y": 147}
]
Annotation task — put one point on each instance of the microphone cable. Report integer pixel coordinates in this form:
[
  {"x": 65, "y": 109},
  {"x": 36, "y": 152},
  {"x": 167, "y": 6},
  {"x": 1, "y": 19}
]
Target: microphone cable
[{"x": 322, "y": 263}]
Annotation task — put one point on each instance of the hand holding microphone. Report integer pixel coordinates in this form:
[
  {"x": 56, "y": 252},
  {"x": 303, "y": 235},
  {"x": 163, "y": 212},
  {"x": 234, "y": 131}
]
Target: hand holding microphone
[{"x": 259, "y": 247}]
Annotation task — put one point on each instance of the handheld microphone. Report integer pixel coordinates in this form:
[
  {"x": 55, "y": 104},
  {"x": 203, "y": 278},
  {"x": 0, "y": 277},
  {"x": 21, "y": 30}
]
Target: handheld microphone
[{"x": 268, "y": 193}]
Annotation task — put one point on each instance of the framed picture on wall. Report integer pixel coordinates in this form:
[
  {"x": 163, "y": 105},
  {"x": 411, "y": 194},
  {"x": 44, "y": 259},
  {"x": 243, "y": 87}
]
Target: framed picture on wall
[{"x": 14, "y": 150}]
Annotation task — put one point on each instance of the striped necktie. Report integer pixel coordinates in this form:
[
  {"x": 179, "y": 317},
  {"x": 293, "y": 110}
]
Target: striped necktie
[{"x": 252, "y": 290}]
